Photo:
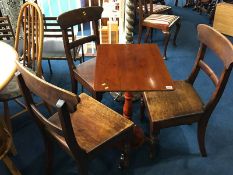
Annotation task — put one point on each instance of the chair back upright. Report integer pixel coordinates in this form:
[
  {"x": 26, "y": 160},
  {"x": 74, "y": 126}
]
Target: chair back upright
[
  {"x": 77, "y": 17},
  {"x": 63, "y": 101},
  {"x": 31, "y": 20},
  {"x": 6, "y": 31},
  {"x": 222, "y": 47}
]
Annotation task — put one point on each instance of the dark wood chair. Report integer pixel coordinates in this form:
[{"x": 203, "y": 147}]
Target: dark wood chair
[
  {"x": 5, "y": 145},
  {"x": 83, "y": 73},
  {"x": 31, "y": 56},
  {"x": 184, "y": 105},
  {"x": 82, "y": 126},
  {"x": 152, "y": 20},
  {"x": 53, "y": 43}
]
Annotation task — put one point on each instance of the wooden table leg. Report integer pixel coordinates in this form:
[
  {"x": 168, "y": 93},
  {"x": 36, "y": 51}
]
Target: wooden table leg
[{"x": 138, "y": 135}]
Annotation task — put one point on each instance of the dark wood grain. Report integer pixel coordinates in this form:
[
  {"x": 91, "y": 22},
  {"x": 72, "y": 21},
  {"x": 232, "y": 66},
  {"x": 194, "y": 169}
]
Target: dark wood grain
[
  {"x": 130, "y": 67},
  {"x": 184, "y": 105}
]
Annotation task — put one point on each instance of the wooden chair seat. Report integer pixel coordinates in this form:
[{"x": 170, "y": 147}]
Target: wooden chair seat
[
  {"x": 159, "y": 21},
  {"x": 95, "y": 126},
  {"x": 165, "y": 105},
  {"x": 85, "y": 73}
]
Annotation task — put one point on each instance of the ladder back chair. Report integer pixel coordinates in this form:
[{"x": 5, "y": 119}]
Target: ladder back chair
[
  {"x": 31, "y": 19},
  {"x": 53, "y": 43},
  {"x": 153, "y": 20},
  {"x": 82, "y": 126},
  {"x": 184, "y": 105},
  {"x": 83, "y": 73}
]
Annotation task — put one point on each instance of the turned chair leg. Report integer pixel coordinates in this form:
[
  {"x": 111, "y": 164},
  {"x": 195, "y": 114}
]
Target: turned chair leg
[
  {"x": 9, "y": 125},
  {"x": 166, "y": 41},
  {"x": 10, "y": 165},
  {"x": 178, "y": 24},
  {"x": 202, "y": 124}
]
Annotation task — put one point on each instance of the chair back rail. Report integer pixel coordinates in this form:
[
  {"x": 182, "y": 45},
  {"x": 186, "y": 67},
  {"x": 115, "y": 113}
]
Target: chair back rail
[
  {"x": 31, "y": 20},
  {"x": 222, "y": 47},
  {"x": 6, "y": 31},
  {"x": 77, "y": 17}
]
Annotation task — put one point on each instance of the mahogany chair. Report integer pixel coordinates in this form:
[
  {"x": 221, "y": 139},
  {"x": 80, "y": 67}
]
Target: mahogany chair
[
  {"x": 82, "y": 126},
  {"x": 152, "y": 20},
  {"x": 184, "y": 105},
  {"x": 5, "y": 145},
  {"x": 53, "y": 43},
  {"x": 31, "y": 19},
  {"x": 83, "y": 73}
]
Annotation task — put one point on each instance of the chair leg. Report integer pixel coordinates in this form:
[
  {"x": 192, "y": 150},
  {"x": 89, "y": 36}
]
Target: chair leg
[
  {"x": 178, "y": 24},
  {"x": 154, "y": 141},
  {"x": 10, "y": 165},
  {"x": 139, "y": 34},
  {"x": 8, "y": 125},
  {"x": 124, "y": 159},
  {"x": 49, "y": 154},
  {"x": 74, "y": 85},
  {"x": 202, "y": 124},
  {"x": 50, "y": 67},
  {"x": 166, "y": 41},
  {"x": 98, "y": 96},
  {"x": 148, "y": 33},
  {"x": 142, "y": 109}
]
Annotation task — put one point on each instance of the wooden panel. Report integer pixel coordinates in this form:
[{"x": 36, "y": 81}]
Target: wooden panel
[
  {"x": 223, "y": 20},
  {"x": 130, "y": 67}
]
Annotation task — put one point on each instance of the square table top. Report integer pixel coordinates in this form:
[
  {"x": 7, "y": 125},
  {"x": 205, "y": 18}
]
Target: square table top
[{"x": 131, "y": 67}]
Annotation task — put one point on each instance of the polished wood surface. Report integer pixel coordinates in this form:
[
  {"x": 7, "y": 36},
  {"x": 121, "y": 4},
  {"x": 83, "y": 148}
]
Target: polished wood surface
[
  {"x": 81, "y": 125},
  {"x": 130, "y": 67},
  {"x": 184, "y": 105},
  {"x": 7, "y": 63}
]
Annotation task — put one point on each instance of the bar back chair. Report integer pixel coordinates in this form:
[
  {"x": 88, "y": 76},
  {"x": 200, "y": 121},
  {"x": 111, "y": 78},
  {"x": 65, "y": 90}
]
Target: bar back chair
[
  {"x": 6, "y": 31},
  {"x": 82, "y": 126},
  {"x": 83, "y": 73},
  {"x": 31, "y": 20},
  {"x": 53, "y": 43},
  {"x": 184, "y": 105},
  {"x": 152, "y": 20}
]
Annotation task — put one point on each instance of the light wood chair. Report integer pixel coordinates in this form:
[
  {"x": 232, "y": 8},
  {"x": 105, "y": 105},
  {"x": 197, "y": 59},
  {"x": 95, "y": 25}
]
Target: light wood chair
[
  {"x": 83, "y": 73},
  {"x": 82, "y": 126},
  {"x": 184, "y": 105},
  {"x": 31, "y": 20},
  {"x": 152, "y": 20},
  {"x": 5, "y": 145}
]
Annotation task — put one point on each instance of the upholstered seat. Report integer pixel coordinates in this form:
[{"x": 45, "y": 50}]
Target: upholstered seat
[
  {"x": 159, "y": 21},
  {"x": 183, "y": 101},
  {"x": 89, "y": 138},
  {"x": 157, "y": 8}
]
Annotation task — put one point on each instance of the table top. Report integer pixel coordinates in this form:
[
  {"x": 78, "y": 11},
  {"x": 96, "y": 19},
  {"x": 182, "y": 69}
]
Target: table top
[
  {"x": 8, "y": 55},
  {"x": 131, "y": 67}
]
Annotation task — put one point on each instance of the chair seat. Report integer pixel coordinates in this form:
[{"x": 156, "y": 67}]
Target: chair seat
[
  {"x": 94, "y": 124},
  {"x": 53, "y": 48},
  {"x": 85, "y": 73},
  {"x": 159, "y": 21},
  {"x": 157, "y": 8},
  {"x": 12, "y": 89},
  {"x": 165, "y": 105}
]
